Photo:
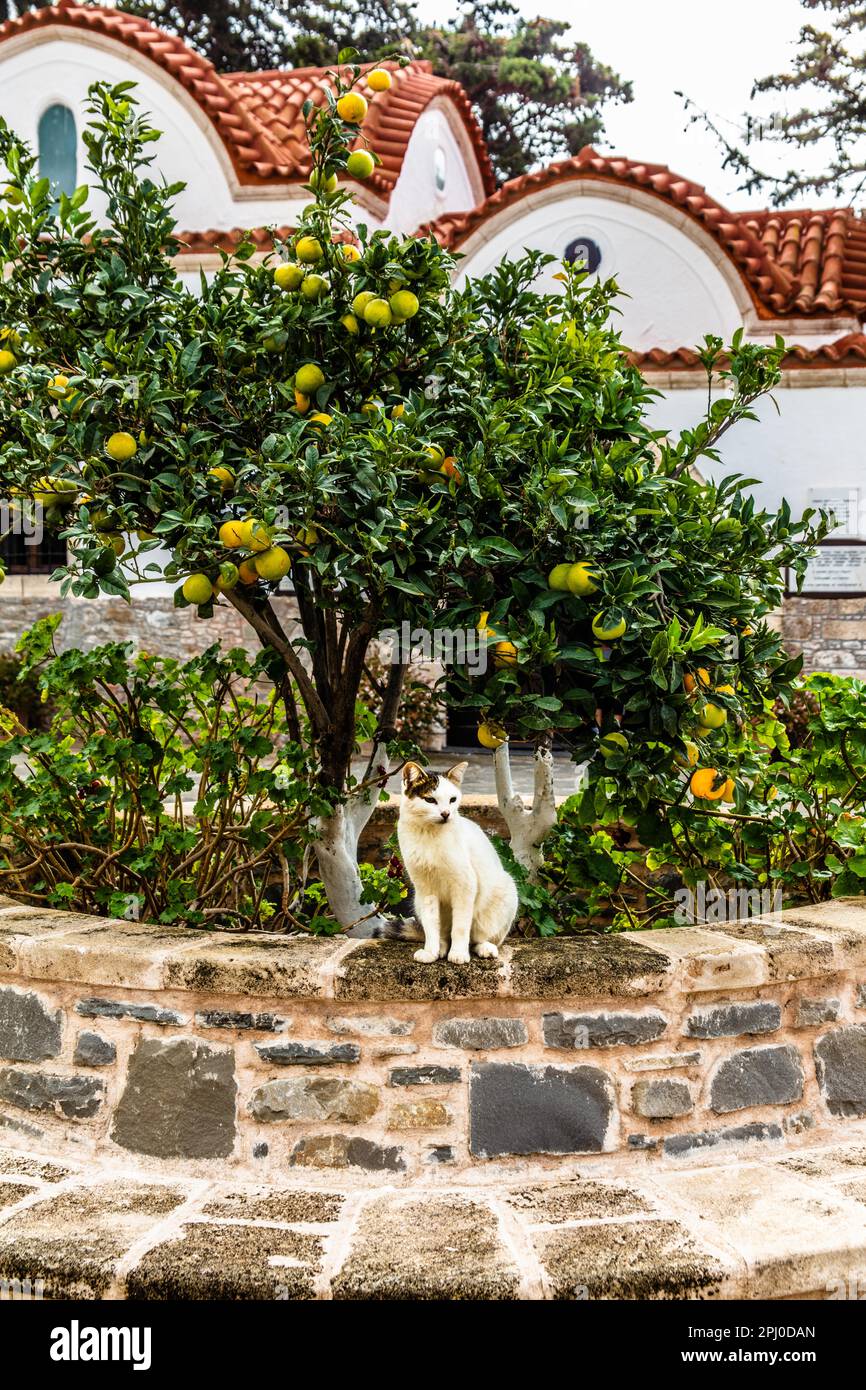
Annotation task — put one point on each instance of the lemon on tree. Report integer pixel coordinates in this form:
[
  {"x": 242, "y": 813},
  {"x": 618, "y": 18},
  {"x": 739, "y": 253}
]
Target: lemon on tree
[
  {"x": 309, "y": 378},
  {"x": 712, "y": 716},
  {"x": 232, "y": 534},
  {"x": 349, "y": 253},
  {"x": 505, "y": 654},
  {"x": 121, "y": 446},
  {"x": 378, "y": 313},
  {"x": 322, "y": 182},
  {"x": 609, "y": 633},
  {"x": 8, "y": 360},
  {"x": 254, "y": 534},
  {"x": 581, "y": 581},
  {"x": 288, "y": 276},
  {"x": 320, "y": 420},
  {"x": 352, "y": 108},
  {"x": 611, "y": 744},
  {"x": 273, "y": 564},
  {"x": 708, "y": 784},
  {"x": 379, "y": 80},
  {"x": 308, "y": 249},
  {"x": 224, "y": 476},
  {"x": 360, "y": 302},
  {"x": 491, "y": 734},
  {"x": 350, "y": 323},
  {"x": 313, "y": 287},
  {"x": 360, "y": 164},
  {"x": 227, "y": 577},
  {"x": 558, "y": 577},
  {"x": 403, "y": 305},
  {"x": 197, "y": 589}
]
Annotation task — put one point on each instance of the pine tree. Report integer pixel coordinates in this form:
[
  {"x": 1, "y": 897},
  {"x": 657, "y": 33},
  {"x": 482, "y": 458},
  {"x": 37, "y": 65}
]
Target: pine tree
[{"x": 828, "y": 77}]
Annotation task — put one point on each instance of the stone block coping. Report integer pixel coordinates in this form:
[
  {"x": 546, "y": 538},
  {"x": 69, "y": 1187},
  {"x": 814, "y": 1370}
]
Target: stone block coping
[{"x": 799, "y": 944}]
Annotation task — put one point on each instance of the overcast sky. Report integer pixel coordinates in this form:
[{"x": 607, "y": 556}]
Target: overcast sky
[{"x": 711, "y": 51}]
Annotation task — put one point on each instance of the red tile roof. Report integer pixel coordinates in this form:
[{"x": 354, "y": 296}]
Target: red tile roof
[
  {"x": 849, "y": 351},
  {"x": 792, "y": 263},
  {"x": 258, "y": 115}
]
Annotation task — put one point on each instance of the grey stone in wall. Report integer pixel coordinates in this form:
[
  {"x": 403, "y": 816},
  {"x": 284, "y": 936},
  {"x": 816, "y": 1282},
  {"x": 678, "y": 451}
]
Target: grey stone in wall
[
  {"x": 480, "y": 1034},
  {"x": 680, "y": 1145},
  {"x": 115, "y": 1008},
  {"x": 242, "y": 1022},
  {"x": 757, "y": 1076},
  {"x": 519, "y": 1109},
  {"x": 93, "y": 1051},
  {"x": 30, "y": 1030},
  {"x": 179, "y": 1100},
  {"x": 840, "y": 1063},
  {"x": 308, "y": 1054},
  {"x": 663, "y": 1098},
  {"x": 578, "y": 1031},
  {"x": 731, "y": 1020},
  {"x": 811, "y": 1013},
  {"x": 76, "y": 1097},
  {"x": 315, "y": 1098},
  {"x": 376, "y": 1026},
  {"x": 423, "y": 1076}
]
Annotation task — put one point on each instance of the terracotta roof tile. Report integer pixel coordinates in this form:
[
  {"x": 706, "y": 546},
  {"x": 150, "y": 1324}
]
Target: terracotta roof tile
[
  {"x": 793, "y": 263},
  {"x": 848, "y": 351},
  {"x": 259, "y": 115}
]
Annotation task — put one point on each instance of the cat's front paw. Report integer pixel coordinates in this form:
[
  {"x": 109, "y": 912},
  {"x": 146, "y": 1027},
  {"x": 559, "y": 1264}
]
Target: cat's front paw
[
  {"x": 458, "y": 957},
  {"x": 426, "y": 957},
  {"x": 486, "y": 950}
]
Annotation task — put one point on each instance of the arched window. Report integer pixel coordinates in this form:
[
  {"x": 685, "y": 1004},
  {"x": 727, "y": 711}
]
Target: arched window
[{"x": 57, "y": 149}]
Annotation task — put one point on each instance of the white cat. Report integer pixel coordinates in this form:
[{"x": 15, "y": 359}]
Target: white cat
[{"x": 463, "y": 895}]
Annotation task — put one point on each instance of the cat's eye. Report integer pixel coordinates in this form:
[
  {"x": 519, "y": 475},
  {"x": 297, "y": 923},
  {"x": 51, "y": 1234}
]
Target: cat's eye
[
  {"x": 431, "y": 800},
  {"x": 453, "y": 799}
]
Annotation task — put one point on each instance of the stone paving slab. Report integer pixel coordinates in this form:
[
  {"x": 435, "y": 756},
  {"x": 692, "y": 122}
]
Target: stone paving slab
[{"x": 787, "y": 1228}]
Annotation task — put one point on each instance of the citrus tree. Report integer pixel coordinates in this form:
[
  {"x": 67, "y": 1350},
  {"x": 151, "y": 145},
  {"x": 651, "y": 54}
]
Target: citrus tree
[{"x": 340, "y": 424}]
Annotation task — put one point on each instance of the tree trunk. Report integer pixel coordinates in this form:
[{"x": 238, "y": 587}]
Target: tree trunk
[
  {"x": 336, "y": 847},
  {"x": 527, "y": 827}
]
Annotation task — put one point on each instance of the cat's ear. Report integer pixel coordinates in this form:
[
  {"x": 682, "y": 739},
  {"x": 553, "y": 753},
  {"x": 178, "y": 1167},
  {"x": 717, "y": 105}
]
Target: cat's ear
[
  {"x": 413, "y": 776},
  {"x": 455, "y": 773}
]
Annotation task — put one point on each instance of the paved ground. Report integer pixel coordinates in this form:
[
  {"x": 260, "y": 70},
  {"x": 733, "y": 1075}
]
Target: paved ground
[{"x": 791, "y": 1227}]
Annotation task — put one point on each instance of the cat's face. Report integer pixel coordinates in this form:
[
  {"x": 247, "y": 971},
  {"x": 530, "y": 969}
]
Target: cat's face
[{"x": 431, "y": 798}]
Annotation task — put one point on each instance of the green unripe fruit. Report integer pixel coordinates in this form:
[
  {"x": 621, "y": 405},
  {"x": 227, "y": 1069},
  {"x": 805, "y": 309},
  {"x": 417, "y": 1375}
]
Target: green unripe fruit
[
  {"x": 323, "y": 183},
  {"x": 360, "y": 302},
  {"x": 288, "y": 277},
  {"x": 360, "y": 164},
  {"x": 378, "y": 313},
  {"x": 558, "y": 577},
  {"x": 197, "y": 589},
  {"x": 308, "y": 250},
  {"x": 611, "y": 744},
  {"x": 314, "y": 286},
  {"x": 404, "y": 305},
  {"x": 309, "y": 378}
]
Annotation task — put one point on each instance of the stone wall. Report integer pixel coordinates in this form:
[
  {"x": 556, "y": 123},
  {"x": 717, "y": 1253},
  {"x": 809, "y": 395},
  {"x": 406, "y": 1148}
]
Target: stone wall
[
  {"x": 267, "y": 1056},
  {"x": 830, "y": 632}
]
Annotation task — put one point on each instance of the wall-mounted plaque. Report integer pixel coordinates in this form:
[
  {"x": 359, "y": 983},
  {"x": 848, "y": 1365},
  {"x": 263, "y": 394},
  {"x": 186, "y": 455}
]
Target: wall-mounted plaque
[
  {"x": 844, "y": 503},
  {"x": 837, "y": 570}
]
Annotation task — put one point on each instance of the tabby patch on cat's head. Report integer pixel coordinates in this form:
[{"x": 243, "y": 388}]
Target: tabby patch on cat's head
[{"x": 419, "y": 781}]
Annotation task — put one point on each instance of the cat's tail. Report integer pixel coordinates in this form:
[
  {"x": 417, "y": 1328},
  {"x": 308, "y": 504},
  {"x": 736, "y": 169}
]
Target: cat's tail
[{"x": 399, "y": 929}]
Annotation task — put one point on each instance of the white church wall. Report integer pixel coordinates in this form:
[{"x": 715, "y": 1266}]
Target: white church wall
[{"x": 439, "y": 172}]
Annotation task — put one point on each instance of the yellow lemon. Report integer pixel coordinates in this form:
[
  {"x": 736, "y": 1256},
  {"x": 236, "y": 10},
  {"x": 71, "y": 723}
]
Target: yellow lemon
[
  {"x": 8, "y": 360},
  {"x": 273, "y": 564},
  {"x": 302, "y": 403},
  {"x": 360, "y": 302},
  {"x": 379, "y": 80},
  {"x": 352, "y": 108},
  {"x": 581, "y": 581},
  {"x": 320, "y": 420},
  {"x": 197, "y": 589},
  {"x": 398, "y": 412},
  {"x": 404, "y": 305},
  {"x": 725, "y": 690},
  {"x": 314, "y": 286},
  {"x": 350, "y": 253},
  {"x": 57, "y": 386},
  {"x": 729, "y": 790},
  {"x": 121, "y": 447},
  {"x": 691, "y": 756},
  {"x": 224, "y": 476},
  {"x": 247, "y": 572},
  {"x": 558, "y": 577},
  {"x": 115, "y": 540},
  {"x": 350, "y": 323},
  {"x": 360, "y": 164},
  {"x": 491, "y": 734},
  {"x": 232, "y": 534},
  {"x": 436, "y": 453},
  {"x": 254, "y": 534},
  {"x": 308, "y": 249},
  {"x": 505, "y": 654},
  {"x": 607, "y": 634},
  {"x": 309, "y": 378},
  {"x": 378, "y": 313},
  {"x": 690, "y": 682},
  {"x": 707, "y": 784},
  {"x": 611, "y": 744},
  {"x": 288, "y": 277},
  {"x": 712, "y": 716}
]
